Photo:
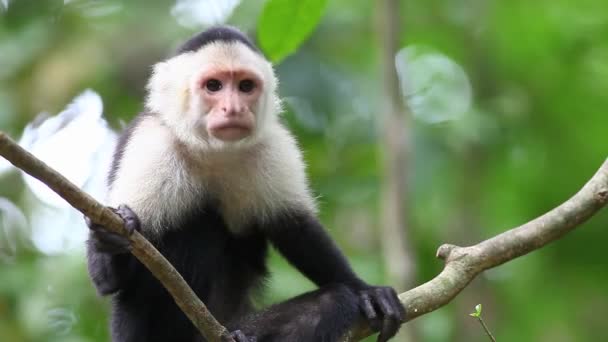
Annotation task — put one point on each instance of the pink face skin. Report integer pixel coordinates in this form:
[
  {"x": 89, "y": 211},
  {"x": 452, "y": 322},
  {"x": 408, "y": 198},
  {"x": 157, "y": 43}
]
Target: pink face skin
[{"x": 231, "y": 96}]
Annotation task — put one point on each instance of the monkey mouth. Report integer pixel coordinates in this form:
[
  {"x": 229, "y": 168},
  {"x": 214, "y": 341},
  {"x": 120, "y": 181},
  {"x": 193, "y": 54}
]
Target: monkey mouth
[
  {"x": 230, "y": 131},
  {"x": 230, "y": 125}
]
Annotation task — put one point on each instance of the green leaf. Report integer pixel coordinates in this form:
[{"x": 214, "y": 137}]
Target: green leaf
[
  {"x": 477, "y": 312},
  {"x": 285, "y": 24}
]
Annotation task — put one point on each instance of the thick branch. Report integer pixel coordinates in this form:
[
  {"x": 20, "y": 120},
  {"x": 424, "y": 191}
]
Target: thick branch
[
  {"x": 183, "y": 295},
  {"x": 462, "y": 264}
]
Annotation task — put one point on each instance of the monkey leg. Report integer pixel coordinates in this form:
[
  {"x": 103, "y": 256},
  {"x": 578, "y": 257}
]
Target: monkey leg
[{"x": 321, "y": 315}]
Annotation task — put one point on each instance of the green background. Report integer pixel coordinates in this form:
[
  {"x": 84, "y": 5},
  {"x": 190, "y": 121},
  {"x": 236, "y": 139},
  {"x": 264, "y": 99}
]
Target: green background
[{"x": 536, "y": 130}]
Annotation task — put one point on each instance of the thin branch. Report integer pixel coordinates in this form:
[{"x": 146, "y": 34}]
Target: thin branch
[
  {"x": 143, "y": 250},
  {"x": 485, "y": 328},
  {"x": 463, "y": 264}
]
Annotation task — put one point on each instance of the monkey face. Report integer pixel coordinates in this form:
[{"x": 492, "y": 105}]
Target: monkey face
[
  {"x": 223, "y": 94},
  {"x": 230, "y": 97}
]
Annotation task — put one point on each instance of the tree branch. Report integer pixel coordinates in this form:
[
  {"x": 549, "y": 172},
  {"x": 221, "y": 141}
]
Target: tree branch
[
  {"x": 142, "y": 249},
  {"x": 463, "y": 264}
]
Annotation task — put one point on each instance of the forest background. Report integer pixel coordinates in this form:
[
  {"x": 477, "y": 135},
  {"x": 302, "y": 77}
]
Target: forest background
[{"x": 506, "y": 118}]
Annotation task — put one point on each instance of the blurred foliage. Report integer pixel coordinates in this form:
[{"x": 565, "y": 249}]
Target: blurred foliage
[{"x": 533, "y": 133}]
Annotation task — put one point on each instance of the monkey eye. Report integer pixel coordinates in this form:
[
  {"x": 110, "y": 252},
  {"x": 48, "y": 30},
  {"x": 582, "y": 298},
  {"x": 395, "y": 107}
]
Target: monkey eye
[
  {"x": 213, "y": 85},
  {"x": 246, "y": 86}
]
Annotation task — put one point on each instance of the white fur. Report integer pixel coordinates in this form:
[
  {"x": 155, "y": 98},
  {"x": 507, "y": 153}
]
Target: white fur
[
  {"x": 171, "y": 87},
  {"x": 168, "y": 167}
]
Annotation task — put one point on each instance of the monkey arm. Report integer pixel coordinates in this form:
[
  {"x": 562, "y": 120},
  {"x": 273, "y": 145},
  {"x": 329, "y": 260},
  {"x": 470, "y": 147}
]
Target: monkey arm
[
  {"x": 110, "y": 272},
  {"x": 110, "y": 263},
  {"x": 303, "y": 241}
]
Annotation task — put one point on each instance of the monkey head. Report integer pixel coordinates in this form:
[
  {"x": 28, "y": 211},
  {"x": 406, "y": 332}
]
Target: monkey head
[{"x": 215, "y": 92}]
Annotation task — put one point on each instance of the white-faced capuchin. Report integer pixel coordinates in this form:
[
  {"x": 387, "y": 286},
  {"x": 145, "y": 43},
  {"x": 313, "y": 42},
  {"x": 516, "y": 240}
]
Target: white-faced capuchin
[{"x": 211, "y": 177}]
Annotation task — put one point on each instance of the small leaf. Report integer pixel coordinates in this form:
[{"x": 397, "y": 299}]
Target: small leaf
[
  {"x": 477, "y": 312},
  {"x": 285, "y": 24}
]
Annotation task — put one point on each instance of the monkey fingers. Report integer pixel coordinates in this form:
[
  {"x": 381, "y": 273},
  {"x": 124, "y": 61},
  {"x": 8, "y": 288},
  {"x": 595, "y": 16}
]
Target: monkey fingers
[
  {"x": 383, "y": 310},
  {"x": 113, "y": 243},
  {"x": 369, "y": 311},
  {"x": 129, "y": 217}
]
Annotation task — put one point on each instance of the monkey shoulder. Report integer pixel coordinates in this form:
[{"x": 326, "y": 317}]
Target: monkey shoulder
[{"x": 150, "y": 177}]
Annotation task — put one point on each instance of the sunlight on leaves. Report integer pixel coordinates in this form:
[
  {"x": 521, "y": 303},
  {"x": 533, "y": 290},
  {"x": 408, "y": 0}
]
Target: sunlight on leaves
[
  {"x": 197, "y": 13},
  {"x": 61, "y": 320},
  {"x": 79, "y": 144},
  {"x": 68, "y": 142},
  {"x": 12, "y": 224},
  {"x": 285, "y": 24},
  {"x": 57, "y": 231},
  {"x": 435, "y": 87}
]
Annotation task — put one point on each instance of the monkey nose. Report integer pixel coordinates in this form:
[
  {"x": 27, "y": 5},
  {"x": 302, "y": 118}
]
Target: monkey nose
[{"x": 231, "y": 110}]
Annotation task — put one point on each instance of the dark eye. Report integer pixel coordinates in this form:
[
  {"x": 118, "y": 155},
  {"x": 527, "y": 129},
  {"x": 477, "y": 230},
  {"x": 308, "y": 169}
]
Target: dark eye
[
  {"x": 246, "y": 86},
  {"x": 213, "y": 85}
]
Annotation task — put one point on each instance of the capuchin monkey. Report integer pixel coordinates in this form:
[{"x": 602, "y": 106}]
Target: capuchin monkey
[{"x": 212, "y": 178}]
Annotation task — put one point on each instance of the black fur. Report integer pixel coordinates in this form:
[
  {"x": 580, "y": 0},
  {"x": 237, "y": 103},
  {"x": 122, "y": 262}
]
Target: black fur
[
  {"x": 302, "y": 240},
  {"x": 220, "y": 268},
  {"x": 224, "y": 271},
  {"x": 215, "y": 34},
  {"x": 321, "y": 315}
]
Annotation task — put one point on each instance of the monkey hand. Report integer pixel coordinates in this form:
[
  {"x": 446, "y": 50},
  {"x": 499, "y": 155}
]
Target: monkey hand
[
  {"x": 109, "y": 242},
  {"x": 239, "y": 336},
  {"x": 383, "y": 310}
]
